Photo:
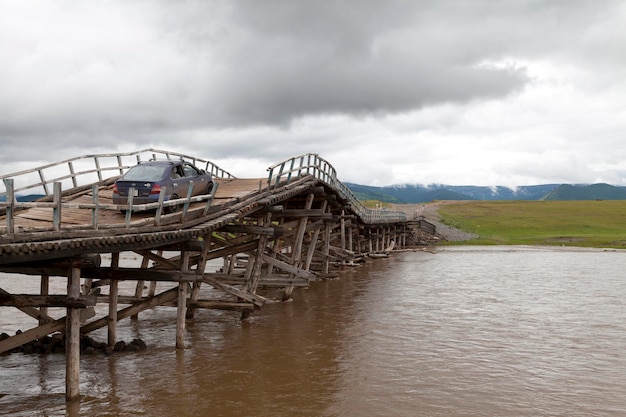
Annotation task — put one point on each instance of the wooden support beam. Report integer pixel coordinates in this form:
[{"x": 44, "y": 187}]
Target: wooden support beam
[
  {"x": 274, "y": 280},
  {"x": 253, "y": 230},
  {"x": 44, "y": 289},
  {"x": 137, "y": 307},
  {"x": 40, "y": 331},
  {"x": 220, "y": 305},
  {"x": 72, "y": 339},
  {"x": 158, "y": 259},
  {"x": 311, "y": 248},
  {"x": 200, "y": 267},
  {"x": 326, "y": 251},
  {"x": 298, "y": 213},
  {"x": 253, "y": 298},
  {"x": 53, "y": 267},
  {"x": 296, "y": 249},
  {"x": 140, "y": 284},
  {"x": 113, "y": 289},
  {"x": 44, "y": 301},
  {"x": 299, "y": 272},
  {"x": 255, "y": 272},
  {"x": 138, "y": 274},
  {"x": 181, "y": 308},
  {"x": 231, "y": 250},
  {"x": 31, "y": 311},
  {"x": 342, "y": 223},
  {"x": 112, "y": 323}
]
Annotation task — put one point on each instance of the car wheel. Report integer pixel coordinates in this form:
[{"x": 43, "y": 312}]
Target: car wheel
[
  {"x": 174, "y": 208},
  {"x": 209, "y": 188}
]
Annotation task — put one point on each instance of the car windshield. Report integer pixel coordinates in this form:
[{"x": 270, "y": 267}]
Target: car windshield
[{"x": 144, "y": 173}]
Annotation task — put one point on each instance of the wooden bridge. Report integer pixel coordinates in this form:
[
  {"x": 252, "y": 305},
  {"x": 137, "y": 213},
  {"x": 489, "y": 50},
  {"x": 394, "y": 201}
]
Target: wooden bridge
[{"x": 296, "y": 225}]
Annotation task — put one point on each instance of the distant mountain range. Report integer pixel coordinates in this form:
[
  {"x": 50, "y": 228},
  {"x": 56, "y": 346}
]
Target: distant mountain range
[{"x": 413, "y": 193}]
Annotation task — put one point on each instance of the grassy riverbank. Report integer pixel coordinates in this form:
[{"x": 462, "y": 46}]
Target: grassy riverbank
[{"x": 570, "y": 223}]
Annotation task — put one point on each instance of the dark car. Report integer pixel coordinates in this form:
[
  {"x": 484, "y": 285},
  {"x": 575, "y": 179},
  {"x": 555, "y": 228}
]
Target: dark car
[{"x": 149, "y": 178}]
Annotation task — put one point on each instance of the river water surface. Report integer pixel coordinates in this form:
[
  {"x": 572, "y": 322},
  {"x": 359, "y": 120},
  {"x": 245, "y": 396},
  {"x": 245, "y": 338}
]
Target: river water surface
[{"x": 468, "y": 331}]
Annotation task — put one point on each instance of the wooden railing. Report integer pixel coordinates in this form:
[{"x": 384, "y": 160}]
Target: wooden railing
[
  {"x": 313, "y": 164},
  {"x": 11, "y": 206},
  {"x": 89, "y": 169},
  {"x": 87, "y": 173}
]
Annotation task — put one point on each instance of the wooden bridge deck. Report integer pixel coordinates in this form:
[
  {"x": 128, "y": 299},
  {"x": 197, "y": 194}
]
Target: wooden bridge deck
[
  {"x": 40, "y": 218},
  {"x": 296, "y": 226}
]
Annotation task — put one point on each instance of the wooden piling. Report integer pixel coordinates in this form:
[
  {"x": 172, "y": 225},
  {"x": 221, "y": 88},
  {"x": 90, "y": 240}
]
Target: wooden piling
[
  {"x": 72, "y": 338},
  {"x": 182, "y": 304},
  {"x": 113, "y": 297},
  {"x": 44, "y": 290}
]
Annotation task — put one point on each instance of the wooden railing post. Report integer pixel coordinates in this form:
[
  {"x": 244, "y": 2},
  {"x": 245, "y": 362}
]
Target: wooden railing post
[
  {"x": 8, "y": 184},
  {"x": 72, "y": 173},
  {"x": 119, "y": 164},
  {"x": 98, "y": 170},
  {"x": 56, "y": 211},
  {"x": 43, "y": 182},
  {"x": 96, "y": 210},
  {"x": 210, "y": 199},
  {"x": 159, "y": 211},
  {"x": 187, "y": 202},
  {"x": 129, "y": 212}
]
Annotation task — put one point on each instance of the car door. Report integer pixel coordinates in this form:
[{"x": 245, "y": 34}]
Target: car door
[
  {"x": 194, "y": 174},
  {"x": 180, "y": 182}
]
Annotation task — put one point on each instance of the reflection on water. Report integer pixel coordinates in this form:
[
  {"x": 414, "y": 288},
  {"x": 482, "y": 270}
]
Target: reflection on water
[{"x": 465, "y": 332}]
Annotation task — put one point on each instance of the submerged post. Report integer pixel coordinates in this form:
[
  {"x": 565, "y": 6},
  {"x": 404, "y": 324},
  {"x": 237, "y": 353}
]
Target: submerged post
[
  {"x": 72, "y": 337},
  {"x": 182, "y": 304},
  {"x": 113, "y": 298}
]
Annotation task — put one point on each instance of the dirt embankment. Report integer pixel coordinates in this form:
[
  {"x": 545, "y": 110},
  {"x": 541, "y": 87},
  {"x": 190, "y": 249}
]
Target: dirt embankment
[{"x": 429, "y": 212}]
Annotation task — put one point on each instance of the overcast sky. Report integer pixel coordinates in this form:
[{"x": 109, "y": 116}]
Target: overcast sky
[{"x": 480, "y": 92}]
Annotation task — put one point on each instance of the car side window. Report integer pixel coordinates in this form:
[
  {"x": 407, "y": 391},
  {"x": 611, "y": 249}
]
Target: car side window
[
  {"x": 190, "y": 171},
  {"x": 175, "y": 174}
]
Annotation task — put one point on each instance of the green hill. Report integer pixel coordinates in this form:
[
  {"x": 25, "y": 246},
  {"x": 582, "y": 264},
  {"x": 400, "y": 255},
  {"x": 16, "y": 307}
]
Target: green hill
[{"x": 568, "y": 192}]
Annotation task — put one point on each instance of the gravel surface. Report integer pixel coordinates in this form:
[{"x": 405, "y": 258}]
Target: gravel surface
[{"x": 429, "y": 212}]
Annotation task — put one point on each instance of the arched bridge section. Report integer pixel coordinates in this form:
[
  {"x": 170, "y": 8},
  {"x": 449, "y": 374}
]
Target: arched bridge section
[{"x": 296, "y": 224}]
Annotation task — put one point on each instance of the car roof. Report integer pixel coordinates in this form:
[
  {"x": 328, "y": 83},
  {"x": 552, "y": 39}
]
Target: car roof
[{"x": 161, "y": 162}]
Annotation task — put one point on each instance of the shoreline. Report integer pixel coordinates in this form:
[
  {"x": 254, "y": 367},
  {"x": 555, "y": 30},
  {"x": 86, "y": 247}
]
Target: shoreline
[{"x": 429, "y": 212}]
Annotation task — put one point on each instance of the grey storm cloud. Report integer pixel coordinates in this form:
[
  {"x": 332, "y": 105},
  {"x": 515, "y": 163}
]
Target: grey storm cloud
[
  {"x": 102, "y": 75},
  {"x": 167, "y": 64}
]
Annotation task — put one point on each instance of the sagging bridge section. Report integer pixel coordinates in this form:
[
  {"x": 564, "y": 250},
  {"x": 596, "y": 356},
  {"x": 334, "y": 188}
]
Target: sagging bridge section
[{"x": 296, "y": 225}]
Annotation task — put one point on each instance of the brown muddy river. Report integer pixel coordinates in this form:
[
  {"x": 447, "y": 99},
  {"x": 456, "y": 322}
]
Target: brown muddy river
[{"x": 499, "y": 331}]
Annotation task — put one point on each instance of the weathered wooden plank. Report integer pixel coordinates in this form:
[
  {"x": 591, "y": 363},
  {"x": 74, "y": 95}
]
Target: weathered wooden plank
[
  {"x": 253, "y": 298},
  {"x": 30, "y": 300},
  {"x": 296, "y": 213},
  {"x": 255, "y": 267},
  {"x": 253, "y": 230},
  {"x": 221, "y": 305},
  {"x": 138, "y": 274},
  {"x": 138, "y": 307},
  {"x": 72, "y": 338},
  {"x": 40, "y": 331},
  {"x": 274, "y": 280},
  {"x": 41, "y": 316},
  {"x": 288, "y": 268},
  {"x": 181, "y": 307}
]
